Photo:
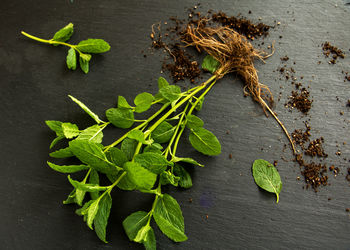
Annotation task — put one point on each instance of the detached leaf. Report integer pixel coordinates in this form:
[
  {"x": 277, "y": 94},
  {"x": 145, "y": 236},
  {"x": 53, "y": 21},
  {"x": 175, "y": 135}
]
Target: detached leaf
[
  {"x": 120, "y": 117},
  {"x": 86, "y": 109},
  {"x": 67, "y": 168},
  {"x": 142, "y": 178},
  {"x": 163, "y": 132},
  {"x": 93, "y": 46},
  {"x": 71, "y": 59},
  {"x": 70, "y": 130},
  {"x": 84, "y": 65},
  {"x": 171, "y": 92},
  {"x": 154, "y": 162},
  {"x": 194, "y": 122},
  {"x": 143, "y": 102},
  {"x": 101, "y": 218},
  {"x": 137, "y": 135},
  {"x": 134, "y": 222},
  {"x": 123, "y": 103},
  {"x": 205, "y": 142},
  {"x": 169, "y": 219},
  {"x": 210, "y": 64},
  {"x": 267, "y": 177},
  {"x": 64, "y": 34}
]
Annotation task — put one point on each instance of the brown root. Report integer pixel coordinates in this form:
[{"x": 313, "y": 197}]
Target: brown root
[{"x": 235, "y": 54}]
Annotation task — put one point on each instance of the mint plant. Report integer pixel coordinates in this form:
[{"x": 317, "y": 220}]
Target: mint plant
[
  {"x": 144, "y": 159},
  {"x": 84, "y": 48}
]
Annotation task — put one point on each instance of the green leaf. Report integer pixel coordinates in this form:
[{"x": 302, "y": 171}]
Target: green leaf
[
  {"x": 79, "y": 195},
  {"x": 70, "y": 130},
  {"x": 154, "y": 148},
  {"x": 86, "y": 186},
  {"x": 101, "y": 218},
  {"x": 163, "y": 132},
  {"x": 210, "y": 64},
  {"x": 67, "y": 168},
  {"x": 185, "y": 180},
  {"x": 267, "y": 177},
  {"x": 71, "y": 59},
  {"x": 162, "y": 83},
  {"x": 128, "y": 147},
  {"x": 194, "y": 122},
  {"x": 64, "y": 34},
  {"x": 171, "y": 92},
  {"x": 116, "y": 156},
  {"x": 94, "y": 179},
  {"x": 154, "y": 162},
  {"x": 91, "y": 213},
  {"x": 134, "y": 222},
  {"x": 169, "y": 219},
  {"x": 84, "y": 64},
  {"x": 137, "y": 135},
  {"x": 85, "y": 57},
  {"x": 123, "y": 103},
  {"x": 205, "y": 142},
  {"x": 187, "y": 160},
  {"x": 142, "y": 178},
  {"x": 126, "y": 183},
  {"x": 84, "y": 209},
  {"x": 143, "y": 102},
  {"x": 150, "y": 240},
  {"x": 142, "y": 233},
  {"x": 62, "y": 153},
  {"x": 93, "y": 134},
  {"x": 55, "y": 126},
  {"x": 91, "y": 154},
  {"x": 93, "y": 46},
  {"x": 86, "y": 109},
  {"x": 71, "y": 198},
  {"x": 120, "y": 117},
  {"x": 57, "y": 139},
  {"x": 169, "y": 178}
]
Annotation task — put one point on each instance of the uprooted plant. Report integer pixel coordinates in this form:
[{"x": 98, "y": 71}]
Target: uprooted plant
[{"x": 147, "y": 157}]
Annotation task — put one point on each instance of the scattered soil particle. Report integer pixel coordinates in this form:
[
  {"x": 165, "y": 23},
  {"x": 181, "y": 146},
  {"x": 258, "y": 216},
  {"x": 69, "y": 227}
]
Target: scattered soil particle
[
  {"x": 334, "y": 52},
  {"x": 285, "y": 58},
  {"x": 315, "y": 148},
  {"x": 300, "y": 138},
  {"x": 300, "y": 100},
  {"x": 347, "y": 209},
  {"x": 347, "y": 76}
]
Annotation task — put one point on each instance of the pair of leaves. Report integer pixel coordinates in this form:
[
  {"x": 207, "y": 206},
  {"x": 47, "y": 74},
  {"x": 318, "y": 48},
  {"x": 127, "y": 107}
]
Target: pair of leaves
[
  {"x": 202, "y": 139},
  {"x": 267, "y": 177}
]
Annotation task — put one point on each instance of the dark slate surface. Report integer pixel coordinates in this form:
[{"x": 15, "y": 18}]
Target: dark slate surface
[{"x": 34, "y": 88}]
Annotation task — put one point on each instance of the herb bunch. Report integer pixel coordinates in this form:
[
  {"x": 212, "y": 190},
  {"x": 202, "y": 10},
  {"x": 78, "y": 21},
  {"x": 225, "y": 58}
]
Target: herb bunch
[
  {"x": 84, "y": 48},
  {"x": 143, "y": 159}
]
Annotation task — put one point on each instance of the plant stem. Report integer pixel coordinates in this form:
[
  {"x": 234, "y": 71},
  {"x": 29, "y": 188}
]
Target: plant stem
[
  {"x": 116, "y": 182},
  {"x": 46, "y": 41}
]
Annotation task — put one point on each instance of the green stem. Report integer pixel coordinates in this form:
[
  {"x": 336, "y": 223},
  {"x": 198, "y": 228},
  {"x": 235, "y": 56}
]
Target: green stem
[
  {"x": 150, "y": 213},
  {"x": 116, "y": 182},
  {"x": 46, "y": 41}
]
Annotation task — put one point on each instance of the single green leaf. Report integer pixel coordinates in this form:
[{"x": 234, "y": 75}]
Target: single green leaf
[
  {"x": 154, "y": 162},
  {"x": 70, "y": 130},
  {"x": 64, "y": 34},
  {"x": 84, "y": 64},
  {"x": 185, "y": 180},
  {"x": 169, "y": 178},
  {"x": 267, "y": 177},
  {"x": 67, "y": 168},
  {"x": 117, "y": 156},
  {"x": 162, "y": 82},
  {"x": 86, "y": 186},
  {"x": 143, "y": 102},
  {"x": 169, "y": 219},
  {"x": 79, "y": 195},
  {"x": 142, "y": 178},
  {"x": 91, "y": 213},
  {"x": 126, "y": 183},
  {"x": 71, "y": 59},
  {"x": 120, "y": 117},
  {"x": 194, "y": 122},
  {"x": 150, "y": 240},
  {"x": 210, "y": 64},
  {"x": 101, "y": 218},
  {"x": 154, "y": 148},
  {"x": 142, "y": 233},
  {"x": 163, "y": 132},
  {"x": 93, "y": 46},
  {"x": 137, "y": 135},
  {"x": 71, "y": 198},
  {"x": 86, "y": 109},
  {"x": 91, "y": 154},
  {"x": 187, "y": 160},
  {"x": 134, "y": 222},
  {"x": 94, "y": 179},
  {"x": 205, "y": 142},
  {"x": 171, "y": 92},
  {"x": 93, "y": 134},
  {"x": 55, "y": 126},
  {"x": 62, "y": 153},
  {"x": 128, "y": 147},
  {"x": 57, "y": 139},
  {"x": 123, "y": 103}
]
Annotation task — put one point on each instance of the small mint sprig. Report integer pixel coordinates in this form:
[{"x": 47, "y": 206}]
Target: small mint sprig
[{"x": 85, "y": 48}]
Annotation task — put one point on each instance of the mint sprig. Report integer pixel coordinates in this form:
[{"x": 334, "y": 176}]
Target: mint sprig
[{"x": 83, "y": 49}]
